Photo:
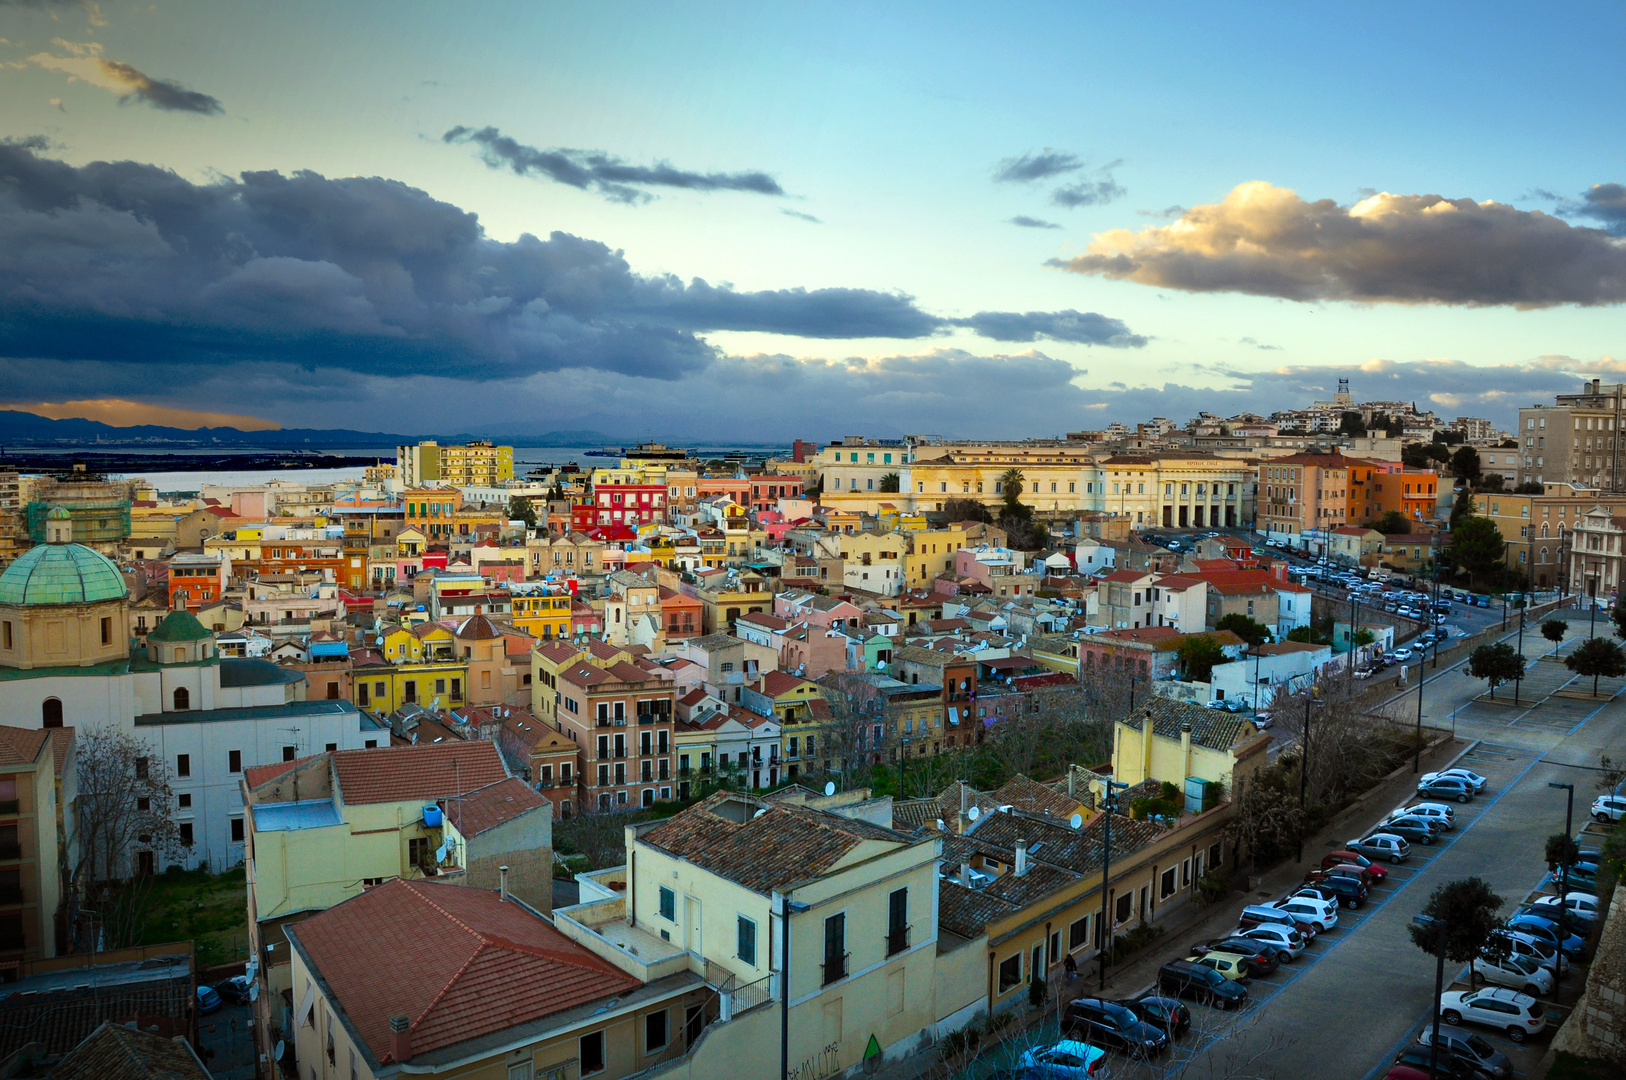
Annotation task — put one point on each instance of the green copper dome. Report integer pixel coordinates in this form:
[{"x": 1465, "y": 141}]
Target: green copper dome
[
  {"x": 61, "y": 574},
  {"x": 178, "y": 625}
]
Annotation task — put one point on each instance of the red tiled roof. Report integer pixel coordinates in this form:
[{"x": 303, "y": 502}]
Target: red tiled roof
[
  {"x": 494, "y": 804},
  {"x": 255, "y": 775},
  {"x": 1125, "y": 575},
  {"x": 775, "y": 683},
  {"x": 558, "y": 652},
  {"x": 433, "y": 771},
  {"x": 457, "y": 961},
  {"x": 21, "y": 746}
]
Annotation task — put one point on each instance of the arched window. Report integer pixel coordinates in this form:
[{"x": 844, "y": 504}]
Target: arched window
[
  {"x": 51, "y": 712},
  {"x": 183, "y": 699}
]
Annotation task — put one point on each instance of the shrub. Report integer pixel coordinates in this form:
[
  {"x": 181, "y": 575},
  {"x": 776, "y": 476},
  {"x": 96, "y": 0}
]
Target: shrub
[{"x": 1212, "y": 887}]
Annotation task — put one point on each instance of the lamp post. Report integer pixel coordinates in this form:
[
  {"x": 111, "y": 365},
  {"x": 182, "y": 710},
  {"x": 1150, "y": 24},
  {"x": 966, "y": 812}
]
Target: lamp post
[
  {"x": 1417, "y": 752},
  {"x": 1434, "y": 607},
  {"x": 787, "y": 908},
  {"x": 1109, "y": 803},
  {"x": 1304, "y": 768},
  {"x": 1520, "y": 677},
  {"x": 1564, "y": 877},
  {"x": 1439, "y": 991}
]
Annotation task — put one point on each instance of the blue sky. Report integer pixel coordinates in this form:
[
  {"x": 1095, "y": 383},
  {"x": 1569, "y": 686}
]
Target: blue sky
[{"x": 887, "y": 124}]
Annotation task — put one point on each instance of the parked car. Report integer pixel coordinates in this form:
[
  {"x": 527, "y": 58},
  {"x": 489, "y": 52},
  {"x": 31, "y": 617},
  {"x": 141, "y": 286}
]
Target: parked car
[
  {"x": 1382, "y": 845},
  {"x": 1065, "y": 1060},
  {"x": 1449, "y": 1066},
  {"x": 1256, "y": 914},
  {"x": 1538, "y": 951},
  {"x": 1465, "y": 1044},
  {"x": 1285, "y": 938},
  {"x": 1338, "y": 889},
  {"x": 1434, "y": 811},
  {"x": 1609, "y": 808},
  {"x": 1519, "y": 972},
  {"x": 235, "y": 989},
  {"x": 1446, "y": 787},
  {"x": 208, "y": 1000},
  {"x": 1403, "y": 654},
  {"x": 1110, "y": 1025},
  {"x": 1168, "y": 1015},
  {"x": 1231, "y": 965},
  {"x": 1185, "y": 979},
  {"x": 1471, "y": 778},
  {"x": 1257, "y": 957},
  {"x": 1581, "y": 879},
  {"x": 1414, "y": 829},
  {"x": 1406, "y": 1072},
  {"x": 1518, "y": 1015},
  {"x": 1545, "y": 929},
  {"x": 1321, "y": 914},
  {"x": 1582, "y": 905},
  {"x": 1377, "y": 873}
]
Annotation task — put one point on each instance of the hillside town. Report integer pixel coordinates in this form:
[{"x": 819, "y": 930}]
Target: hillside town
[{"x": 621, "y": 768}]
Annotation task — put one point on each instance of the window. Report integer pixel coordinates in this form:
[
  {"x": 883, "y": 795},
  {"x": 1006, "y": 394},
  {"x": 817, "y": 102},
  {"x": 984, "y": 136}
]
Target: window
[
  {"x": 237, "y": 830},
  {"x": 107, "y": 632},
  {"x": 1010, "y": 973},
  {"x": 1214, "y": 856},
  {"x": 746, "y": 940},
  {"x": 183, "y": 699},
  {"x": 897, "y": 922},
  {"x": 835, "y": 948},
  {"x": 184, "y": 801},
  {"x": 50, "y": 711},
  {"x": 592, "y": 1053},
  {"x": 655, "y": 1031},
  {"x": 1078, "y": 933},
  {"x": 1165, "y": 886},
  {"x": 668, "y": 904},
  {"x": 186, "y": 833},
  {"x": 183, "y": 764},
  {"x": 1121, "y": 911},
  {"x": 141, "y": 768}
]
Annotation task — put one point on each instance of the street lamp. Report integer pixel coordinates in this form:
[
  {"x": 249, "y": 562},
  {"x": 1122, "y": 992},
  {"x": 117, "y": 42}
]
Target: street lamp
[
  {"x": 787, "y": 908},
  {"x": 1109, "y": 803},
  {"x": 1417, "y": 753},
  {"x": 1564, "y": 877},
  {"x": 1304, "y": 767}
]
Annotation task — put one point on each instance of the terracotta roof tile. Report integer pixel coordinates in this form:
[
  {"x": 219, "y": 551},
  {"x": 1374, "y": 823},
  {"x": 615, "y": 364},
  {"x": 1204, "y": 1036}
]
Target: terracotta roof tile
[
  {"x": 116, "y": 1052},
  {"x": 458, "y": 961},
  {"x": 433, "y": 771},
  {"x": 22, "y": 746},
  {"x": 494, "y": 804}
]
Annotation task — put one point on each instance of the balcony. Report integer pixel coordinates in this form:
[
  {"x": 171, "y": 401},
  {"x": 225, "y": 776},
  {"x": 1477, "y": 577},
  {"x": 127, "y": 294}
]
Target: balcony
[
  {"x": 897, "y": 940},
  {"x": 834, "y": 967}
]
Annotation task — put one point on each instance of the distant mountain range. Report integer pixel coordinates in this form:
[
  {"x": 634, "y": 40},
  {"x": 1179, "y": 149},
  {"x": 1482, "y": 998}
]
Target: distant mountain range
[{"x": 27, "y": 429}]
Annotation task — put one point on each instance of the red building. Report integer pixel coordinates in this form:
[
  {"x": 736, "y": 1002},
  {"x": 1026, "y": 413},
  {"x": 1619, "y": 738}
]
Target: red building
[
  {"x": 767, "y": 490},
  {"x": 620, "y": 504}
]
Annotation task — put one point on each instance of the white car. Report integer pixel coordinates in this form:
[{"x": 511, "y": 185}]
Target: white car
[
  {"x": 1402, "y": 654},
  {"x": 1580, "y": 903},
  {"x": 1282, "y": 937},
  {"x": 1607, "y": 808},
  {"x": 1526, "y": 946},
  {"x": 1430, "y": 811},
  {"x": 1518, "y": 1015},
  {"x": 1519, "y": 972},
  {"x": 1319, "y": 914},
  {"x": 1467, "y": 776}
]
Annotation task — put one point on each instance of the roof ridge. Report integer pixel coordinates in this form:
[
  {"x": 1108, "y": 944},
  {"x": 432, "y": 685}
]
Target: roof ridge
[{"x": 453, "y": 919}]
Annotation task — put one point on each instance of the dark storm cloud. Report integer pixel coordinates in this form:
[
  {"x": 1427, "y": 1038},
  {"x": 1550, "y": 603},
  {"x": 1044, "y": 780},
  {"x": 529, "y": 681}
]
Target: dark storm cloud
[
  {"x": 1080, "y": 327},
  {"x": 1604, "y": 203},
  {"x": 1409, "y": 249},
  {"x": 1040, "y": 166},
  {"x": 125, "y": 263},
  {"x": 1032, "y": 222},
  {"x": 598, "y": 171}
]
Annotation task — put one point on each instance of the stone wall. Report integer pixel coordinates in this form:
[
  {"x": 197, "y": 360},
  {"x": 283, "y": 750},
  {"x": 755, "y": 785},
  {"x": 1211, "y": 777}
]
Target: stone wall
[{"x": 1597, "y": 1027}]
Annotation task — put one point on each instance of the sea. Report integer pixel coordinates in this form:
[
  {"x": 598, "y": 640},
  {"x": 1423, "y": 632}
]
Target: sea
[{"x": 526, "y": 458}]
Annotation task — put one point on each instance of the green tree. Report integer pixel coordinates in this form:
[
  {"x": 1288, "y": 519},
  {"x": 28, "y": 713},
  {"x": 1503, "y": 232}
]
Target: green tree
[
  {"x": 1477, "y": 546},
  {"x": 1198, "y": 654},
  {"x": 1414, "y": 456},
  {"x": 1465, "y": 463},
  {"x": 967, "y": 510},
  {"x": 1467, "y": 911},
  {"x": 889, "y": 482},
  {"x": 1253, "y": 632},
  {"x": 1438, "y": 451},
  {"x": 1554, "y": 630},
  {"x": 1597, "y": 657},
  {"x": 1394, "y": 523},
  {"x": 1309, "y": 635},
  {"x": 1350, "y": 424},
  {"x": 1562, "y": 851},
  {"x": 1496, "y": 664},
  {"x": 520, "y": 509},
  {"x": 1618, "y": 617},
  {"x": 1463, "y": 508},
  {"x": 1492, "y": 483},
  {"x": 1529, "y": 487},
  {"x": 1011, "y": 483}
]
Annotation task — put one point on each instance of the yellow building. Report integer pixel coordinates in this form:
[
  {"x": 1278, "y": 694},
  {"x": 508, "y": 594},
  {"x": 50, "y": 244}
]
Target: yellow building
[
  {"x": 383, "y": 688},
  {"x": 544, "y": 616},
  {"x": 475, "y": 464},
  {"x": 418, "y": 642},
  {"x": 930, "y": 553}
]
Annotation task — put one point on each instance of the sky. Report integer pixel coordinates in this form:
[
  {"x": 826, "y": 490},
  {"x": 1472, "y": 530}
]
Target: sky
[{"x": 766, "y": 221}]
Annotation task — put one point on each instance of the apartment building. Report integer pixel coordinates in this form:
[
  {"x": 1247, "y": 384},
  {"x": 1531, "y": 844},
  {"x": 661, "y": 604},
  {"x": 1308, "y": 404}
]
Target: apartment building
[
  {"x": 621, "y": 716},
  {"x": 478, "y": 463},
  {"x": 37, "y": 788},
  {"x": 1306, "y": 493}
]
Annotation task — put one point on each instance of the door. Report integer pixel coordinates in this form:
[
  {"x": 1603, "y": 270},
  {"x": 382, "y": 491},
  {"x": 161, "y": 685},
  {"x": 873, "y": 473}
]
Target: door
[
  {"x": 694, "y": 1022},
  {"x": 691, "y": 922}
]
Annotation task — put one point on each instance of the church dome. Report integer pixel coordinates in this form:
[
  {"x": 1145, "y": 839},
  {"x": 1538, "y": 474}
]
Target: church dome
[
  {"x": 178, "y": 625},
  {"x": 61, "y": 574}
]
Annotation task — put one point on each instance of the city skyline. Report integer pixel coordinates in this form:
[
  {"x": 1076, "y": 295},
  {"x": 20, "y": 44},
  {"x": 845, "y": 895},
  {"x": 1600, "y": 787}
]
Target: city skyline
[{"x": 799, "y": 220}]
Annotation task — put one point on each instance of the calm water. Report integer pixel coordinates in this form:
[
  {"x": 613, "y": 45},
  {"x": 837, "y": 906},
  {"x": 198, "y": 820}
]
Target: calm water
[{"x": 526, "y": 458}]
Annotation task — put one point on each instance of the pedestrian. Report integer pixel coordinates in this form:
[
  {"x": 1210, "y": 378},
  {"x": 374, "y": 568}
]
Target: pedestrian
[{"x": 1071, "y": 967}]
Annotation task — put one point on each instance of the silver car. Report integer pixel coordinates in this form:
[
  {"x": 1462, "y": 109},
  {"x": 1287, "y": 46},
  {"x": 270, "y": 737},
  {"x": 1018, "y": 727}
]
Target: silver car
[{"x": 1381, "y": 845}]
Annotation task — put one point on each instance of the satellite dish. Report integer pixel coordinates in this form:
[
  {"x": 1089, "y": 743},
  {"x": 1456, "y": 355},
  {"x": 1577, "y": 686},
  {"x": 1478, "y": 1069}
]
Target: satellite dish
[
  {"x": 760, "y": 812},
  {"x": 276, "y": 1055},
  {"x": 974, "y": 813},
  {"x": 1076, "y": 821},
  {"x": 829, "y": 787}
]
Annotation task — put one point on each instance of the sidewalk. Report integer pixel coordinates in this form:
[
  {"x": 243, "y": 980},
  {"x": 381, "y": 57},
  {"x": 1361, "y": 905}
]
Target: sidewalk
[{"x": 1198, "y": 923}]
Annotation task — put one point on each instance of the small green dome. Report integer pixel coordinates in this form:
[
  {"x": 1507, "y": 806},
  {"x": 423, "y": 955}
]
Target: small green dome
[
  {"x": 58, "y": 513},
  {"x": 178, "y": 625},
  {"x": 61, "y": 574}
]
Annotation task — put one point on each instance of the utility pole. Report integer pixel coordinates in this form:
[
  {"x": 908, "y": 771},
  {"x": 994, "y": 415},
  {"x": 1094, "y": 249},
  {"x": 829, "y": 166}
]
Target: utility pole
[
  {"x": 1304, "y": 768},
  {"x": 1564, "y": 876},
  {"x": 1109, "y": 803},
  {"x": 1417, "y": 753},
  {"x": 1520, "y": 679},
  {"x": 1439, "y": 989}
]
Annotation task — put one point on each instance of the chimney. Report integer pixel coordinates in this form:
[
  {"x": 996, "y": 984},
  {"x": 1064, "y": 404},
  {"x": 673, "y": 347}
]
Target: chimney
[
  {"x": 965, "y": 874},
  {"x": 502, "y": 881},
  {"x": 401, "y": 1039},
  {"x": 1021, "y": 857},
  {"x": 1072, "y": 781},
  {"x": 1146, "y": 746},
  {"x": 1185, "y": 748},
  {"x": 965, "y": 806}
]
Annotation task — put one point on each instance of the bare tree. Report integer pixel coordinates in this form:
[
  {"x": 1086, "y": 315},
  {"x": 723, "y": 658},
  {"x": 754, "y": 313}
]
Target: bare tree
[{"x": 1050, "y": 729}]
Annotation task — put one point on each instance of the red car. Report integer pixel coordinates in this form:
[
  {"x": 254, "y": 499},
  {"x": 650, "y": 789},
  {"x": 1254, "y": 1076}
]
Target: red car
[
  {"x": 1378, "y": 873},
  {"x": 1405, "y": 1072},
  {"x": 1349, "y": 870}
]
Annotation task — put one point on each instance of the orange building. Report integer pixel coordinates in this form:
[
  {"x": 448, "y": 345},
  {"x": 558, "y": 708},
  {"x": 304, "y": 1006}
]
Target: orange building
[
  {"x": 621, "y": 717},
  {"x": 433, "y": 511},
  {"x": 196, "y": 581},
  {"x": 681, "y": 616}
]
